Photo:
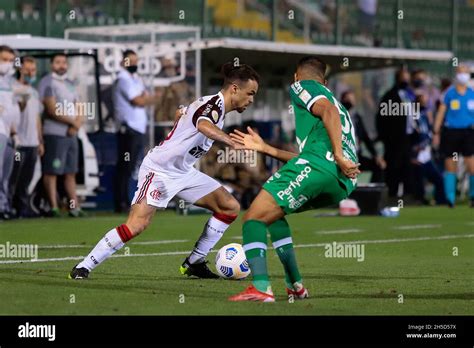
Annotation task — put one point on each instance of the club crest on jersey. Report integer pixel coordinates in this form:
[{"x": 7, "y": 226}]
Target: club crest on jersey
[
  {"x": 215, "y": 116},
  {"x": 155, "y": 194}
]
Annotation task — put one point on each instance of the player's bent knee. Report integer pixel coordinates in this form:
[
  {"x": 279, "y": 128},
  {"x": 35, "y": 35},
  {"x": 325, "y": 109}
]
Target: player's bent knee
[
  {"x": 137, "y": 225},
  {"x": 233, "y": 207}
]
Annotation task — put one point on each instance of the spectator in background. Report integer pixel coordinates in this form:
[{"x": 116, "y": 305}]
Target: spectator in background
[
  {"x": 421, "y": 158},
  {"x": 394, "y": 128},
  {"x": 30, "y": 137},
  {"x": 60, "y": 127},
  {"x": 129, "y": 99},
  {"x": 170, "y": 97},
  {"x": 456, "y": 115},
  {"x": 376, "y": 164},
  {"x": 9, "y": 117},
  {"x": 422, "y": 84},
  {"x": 367, "y": 14}
]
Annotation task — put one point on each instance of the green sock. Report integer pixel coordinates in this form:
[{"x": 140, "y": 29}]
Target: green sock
[
  {"x": 281, "y": 238},
  {"x": 254, "y": 235}
]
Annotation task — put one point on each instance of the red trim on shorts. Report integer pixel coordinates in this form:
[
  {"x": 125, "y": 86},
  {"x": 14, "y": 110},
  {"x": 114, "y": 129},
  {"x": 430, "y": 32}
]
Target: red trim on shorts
[
  {"x": 124, "y": 233},
  {"x": 227, "y": 219},
  {"x": 145, "y": 186}
]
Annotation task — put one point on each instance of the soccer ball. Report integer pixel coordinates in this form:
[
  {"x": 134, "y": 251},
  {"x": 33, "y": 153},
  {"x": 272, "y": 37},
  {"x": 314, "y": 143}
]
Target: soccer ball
[{"x": 231, "y": 262}]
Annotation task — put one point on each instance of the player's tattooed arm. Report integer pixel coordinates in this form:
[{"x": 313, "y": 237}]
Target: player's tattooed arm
[
  {"x": 253, "y": 141},
  {"x": 329, "y": 114},
  {"x": 215, "y": 133}
]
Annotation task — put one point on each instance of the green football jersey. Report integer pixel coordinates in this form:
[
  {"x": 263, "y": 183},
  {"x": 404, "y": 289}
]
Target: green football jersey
[{"x": 311, "y": 135}]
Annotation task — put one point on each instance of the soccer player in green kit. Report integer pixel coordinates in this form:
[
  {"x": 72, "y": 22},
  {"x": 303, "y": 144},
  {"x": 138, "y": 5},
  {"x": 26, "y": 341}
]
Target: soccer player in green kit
[{"x": 323, "y": 173}]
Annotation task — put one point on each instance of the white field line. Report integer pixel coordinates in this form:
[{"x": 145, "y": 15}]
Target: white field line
[
  {"x": 352, "y": 230},
  {"x": 383, "y": 241},
  {"x": 415, "y": 227},
  {"x": 74, "y": 246},
  {"x": 380, "y": 241}
]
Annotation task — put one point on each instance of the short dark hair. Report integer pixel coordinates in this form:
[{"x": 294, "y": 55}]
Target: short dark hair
[
  {"x": 401, "y": 70},
  {"x": 128, "y": 53},
  {"x": 241, "y": 72},
  {"x": 27, "y": 59},
  {"x": 5, "y": 48},
  {"x": 345, "y": 94},
  {"x": 59, "y": 54},
  {"x": 313, "y": 65}
]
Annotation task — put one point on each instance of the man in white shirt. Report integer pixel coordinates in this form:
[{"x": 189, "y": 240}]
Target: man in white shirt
[
  {"x": 129, "y": 99},
  {"x": 30, "y": 137},
  {"x": 168, "y": 171},
  {"x": 9, "y": 116}
]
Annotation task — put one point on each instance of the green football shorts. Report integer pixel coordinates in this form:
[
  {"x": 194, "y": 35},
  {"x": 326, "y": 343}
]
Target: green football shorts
[{"x": 302, "y": 185}]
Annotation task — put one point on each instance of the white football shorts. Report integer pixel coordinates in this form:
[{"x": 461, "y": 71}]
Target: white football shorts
[{"x": 159, "y": 187}]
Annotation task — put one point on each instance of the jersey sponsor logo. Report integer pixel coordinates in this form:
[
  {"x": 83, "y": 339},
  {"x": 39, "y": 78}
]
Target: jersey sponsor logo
[
  {"x": 276, "y": 176},
  {"x": 297, "y": 88},
  {"x": 298, "y": 202},
  {"x": 197, "y": 151},
  {"x": 155, "y": 194},
  {"x": 293, "y": 184},
  {"x": 300, "y": 143},
  {"x": 305, "y": 96},
  {"x": 302, "y": 161}
]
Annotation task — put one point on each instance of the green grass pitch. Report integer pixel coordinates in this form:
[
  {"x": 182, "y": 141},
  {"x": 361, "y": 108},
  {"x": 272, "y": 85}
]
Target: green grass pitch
[{"x": 420, "y": 263}]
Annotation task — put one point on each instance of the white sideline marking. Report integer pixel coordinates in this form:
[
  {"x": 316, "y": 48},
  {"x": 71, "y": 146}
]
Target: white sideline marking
[
  {"x": 382, "y": 241},
  {"x": 63, "y": 246},
  {"x": 353, "y": 230},
  {"x": 415, "y": 227},
  {"x": 73, "y": 246},
  {"x": 152, "y": 242},
  {"x": 379, "y": 241}
]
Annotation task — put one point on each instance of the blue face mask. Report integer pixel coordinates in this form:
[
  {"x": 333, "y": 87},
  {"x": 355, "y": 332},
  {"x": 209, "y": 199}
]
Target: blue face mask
[{"x": 30, "y": 79}]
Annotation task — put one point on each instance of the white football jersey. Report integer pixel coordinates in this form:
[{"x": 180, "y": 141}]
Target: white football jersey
[{"x": 184, "y": 145}]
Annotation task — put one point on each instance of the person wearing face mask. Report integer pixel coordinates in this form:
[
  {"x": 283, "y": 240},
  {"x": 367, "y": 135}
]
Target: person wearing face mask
[
  {"x": 394, "y": 129},
  {"x": 424, "y": 168},
  {"x": 376, "y": 164},
  {"x": 129, "y": 99},
  {"x": 60, "y": 126},
  {"x": 421, "y": 83},
  {"x": 9, "y": 117},
  {"x": 455, "y": 121},
  {"x": 30, "y": 137}
]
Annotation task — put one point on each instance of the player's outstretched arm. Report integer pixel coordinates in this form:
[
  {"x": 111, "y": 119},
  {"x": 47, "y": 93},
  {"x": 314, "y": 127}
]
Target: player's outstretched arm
[
  {"x": 329, "y": 114},
  {"x": 253, "y": 141},
  {"x": 216, "y": 134}
]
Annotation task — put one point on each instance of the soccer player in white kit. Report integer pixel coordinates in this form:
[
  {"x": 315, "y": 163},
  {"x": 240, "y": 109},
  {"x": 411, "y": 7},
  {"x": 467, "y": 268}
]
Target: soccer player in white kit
[{"x": 168, "y": 171}]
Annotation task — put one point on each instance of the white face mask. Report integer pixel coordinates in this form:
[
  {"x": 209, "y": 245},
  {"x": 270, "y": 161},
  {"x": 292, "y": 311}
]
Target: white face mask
[
  {"x": 6, "y": 68},
  {"x": 59, "y": 77},
  {"x": 463, "y": 78}
]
